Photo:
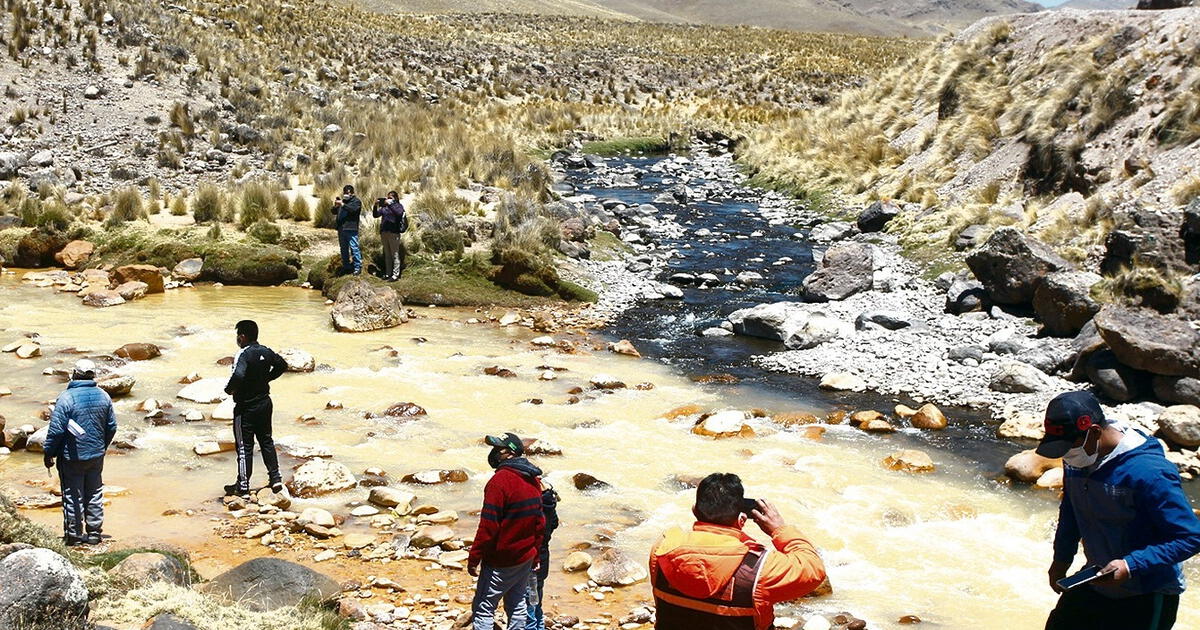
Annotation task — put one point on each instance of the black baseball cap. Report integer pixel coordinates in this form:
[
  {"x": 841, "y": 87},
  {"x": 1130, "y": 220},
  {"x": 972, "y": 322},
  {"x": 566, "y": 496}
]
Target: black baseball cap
[
  {"x": 1069, "y": 416},
  {"x": 510, "y": 441}
]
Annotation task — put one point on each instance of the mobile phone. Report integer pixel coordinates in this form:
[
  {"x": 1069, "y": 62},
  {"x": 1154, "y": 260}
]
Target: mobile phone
[
  {"x": 1085, "y": 575},
  {"x": 749, "y": 506}
]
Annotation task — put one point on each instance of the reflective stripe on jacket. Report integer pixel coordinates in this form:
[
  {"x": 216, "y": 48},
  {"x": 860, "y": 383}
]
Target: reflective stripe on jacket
[
  {"x": 698, "y": 571},
  {"x": 732, "y": 608}
]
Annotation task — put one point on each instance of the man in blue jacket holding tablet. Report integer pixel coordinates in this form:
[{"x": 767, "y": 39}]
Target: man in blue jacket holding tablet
[{"x": 1123, "y": 499}]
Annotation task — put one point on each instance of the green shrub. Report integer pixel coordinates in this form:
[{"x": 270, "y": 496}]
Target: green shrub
[
  {"x": 256, "y": 205},
  {"x": 54, "y": 216},
  {"x": 265, "y": 232},
  {"x": 207, "y": 204}
]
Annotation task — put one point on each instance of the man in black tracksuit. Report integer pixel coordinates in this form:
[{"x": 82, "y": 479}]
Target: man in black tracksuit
[{"x": 253, "y": 369}]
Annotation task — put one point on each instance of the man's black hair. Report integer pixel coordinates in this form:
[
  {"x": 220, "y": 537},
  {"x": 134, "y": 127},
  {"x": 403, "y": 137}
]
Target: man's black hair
[
  {"x": 249, "y": 328},
  {"x": 719, "y": 499},
  {"x": 347, "y": 189}
]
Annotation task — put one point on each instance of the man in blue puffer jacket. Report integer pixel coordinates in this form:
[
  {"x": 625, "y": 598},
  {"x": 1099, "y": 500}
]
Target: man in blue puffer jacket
[
  {"x": 81, "y": 428},
  {"x": 1123, "y": 499}
]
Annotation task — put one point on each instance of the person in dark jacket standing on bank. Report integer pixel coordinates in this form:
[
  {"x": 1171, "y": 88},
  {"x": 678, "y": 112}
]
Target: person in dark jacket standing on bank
[
  {"x": 537, "y": 584},
  {"x": 348, "y": 210},
  {"x": 511, "y": 530},
  {"x": 392, "y": 223},
  {"x": 82, "y": 426},
  {"x": 254, "y": 367},
  {"x": 1123, "y": 500}
]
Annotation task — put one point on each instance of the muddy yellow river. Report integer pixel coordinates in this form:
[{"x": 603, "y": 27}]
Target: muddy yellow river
[{"x": 953, "y": 547}]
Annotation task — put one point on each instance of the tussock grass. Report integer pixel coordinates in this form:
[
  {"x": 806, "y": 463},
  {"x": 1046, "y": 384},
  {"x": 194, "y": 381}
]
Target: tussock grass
[
  {"x": 127, "y": 206},
  {"x": 206, "y": 204},
  {"x": 140, "y": 604}
]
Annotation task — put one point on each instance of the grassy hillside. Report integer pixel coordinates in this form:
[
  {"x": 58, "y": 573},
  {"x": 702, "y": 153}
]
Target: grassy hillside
[
  {"x": 1069, "y": 124},
  {"x": 875, "y": 17}
]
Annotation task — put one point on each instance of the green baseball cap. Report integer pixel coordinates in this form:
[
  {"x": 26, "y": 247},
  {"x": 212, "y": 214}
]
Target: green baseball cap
[{"x": 510, "y": 441}]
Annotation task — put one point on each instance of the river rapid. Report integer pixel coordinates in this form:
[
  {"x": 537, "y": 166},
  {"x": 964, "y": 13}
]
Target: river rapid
[{"x": 955, "y": 547}]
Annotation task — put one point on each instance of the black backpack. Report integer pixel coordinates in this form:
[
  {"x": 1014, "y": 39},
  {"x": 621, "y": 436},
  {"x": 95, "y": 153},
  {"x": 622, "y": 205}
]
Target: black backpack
[{"x": 403, "y": 221}]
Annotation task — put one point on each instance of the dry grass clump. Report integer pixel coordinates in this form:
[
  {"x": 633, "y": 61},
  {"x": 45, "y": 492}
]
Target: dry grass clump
[
  {"x": 157, "y": 598},
  {"x": 127, "y": 206},
  {"x": 206, "y": 204}
]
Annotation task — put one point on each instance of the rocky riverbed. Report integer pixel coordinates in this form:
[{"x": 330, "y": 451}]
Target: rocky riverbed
[{"x": 847, "y": 308}]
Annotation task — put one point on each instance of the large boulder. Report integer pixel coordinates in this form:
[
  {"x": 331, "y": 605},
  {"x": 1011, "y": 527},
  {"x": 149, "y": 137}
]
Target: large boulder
[
  {"x": 117, "y": 385},
  {"x": 298, "y": 360},
  {"x": 816, "y": 330},
  {"x": 723, "y": 424},
  {"x": 1028, "y": 466},
  {"x": 140, "y": 273},
  {"x": 75, "y": 254},
  {"x": 774, "y": 321},
  {"x": 1015, "y": 377},
  {"x": 361, "y": 307},
  {"x": 846, "y": 269},
  {"x": 40, "y": 588},
  {"x": 877, "y": 216},
  {"x": 1148, "y": 341},
  {"x": 265, "y": 584},
  {"x": 145, "y": 567},
  {"x": 204, "y": 391},
  {"x": 1182, "y": 390},
  {"x": 1181, "y": 425},
  {"x": 1118, "y": 382},
  {"x": 965, "y": 295},
  {"x": 321, "y": 476},
  {"x": 1063, "y": 302},
  {"x": 399, "y": 500},
  {"x": 103, "y": 298},
  {"x": 1010, "y": 265},
  {"x": 138, "y": 351},
  {"x": 188, "y": 270},
  {"x": 613, "y": 568},
  {"x": 132, "y": 290}
]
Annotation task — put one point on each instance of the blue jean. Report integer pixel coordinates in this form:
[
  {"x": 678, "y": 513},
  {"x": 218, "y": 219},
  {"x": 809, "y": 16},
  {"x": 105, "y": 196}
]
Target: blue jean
[
  {"x": 536, "y": 616},
  {"x": 351, "y": 254},
  {"x": 508, "y": 583}
]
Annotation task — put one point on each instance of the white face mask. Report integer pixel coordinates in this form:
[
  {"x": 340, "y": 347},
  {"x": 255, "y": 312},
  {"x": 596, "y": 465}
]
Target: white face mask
[{"x": 1078, "y": 457}]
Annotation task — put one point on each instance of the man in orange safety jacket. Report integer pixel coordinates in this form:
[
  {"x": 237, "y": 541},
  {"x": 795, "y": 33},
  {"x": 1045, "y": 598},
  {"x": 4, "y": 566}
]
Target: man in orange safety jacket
[{"x": 716, "y": 577}]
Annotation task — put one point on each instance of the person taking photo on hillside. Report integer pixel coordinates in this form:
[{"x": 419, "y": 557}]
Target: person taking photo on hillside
[
  {"x": 82, "y": 426},
  {"x": 392, "y": 223},
  {"x": 254, "y": 367},
  {"x": 1123, "y": 500},
  {"x": 512, "y": 526},
  {"x": 716, "y": 576},
  {"x": 348, "y": 210}
]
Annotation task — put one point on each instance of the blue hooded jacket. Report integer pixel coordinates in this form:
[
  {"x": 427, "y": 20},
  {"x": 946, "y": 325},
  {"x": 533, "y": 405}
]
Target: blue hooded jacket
[
  {"x": 91, "y": 409},
  {"x": 1133, "y": 507}
]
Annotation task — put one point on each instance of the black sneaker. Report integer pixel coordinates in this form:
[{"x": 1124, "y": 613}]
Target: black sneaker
[
  {"x": 93, "y": 539},
  {"x": 73, "y": 542},
  {"x": 233, "y": 491},
  {"x": 277, "y": 487}
]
